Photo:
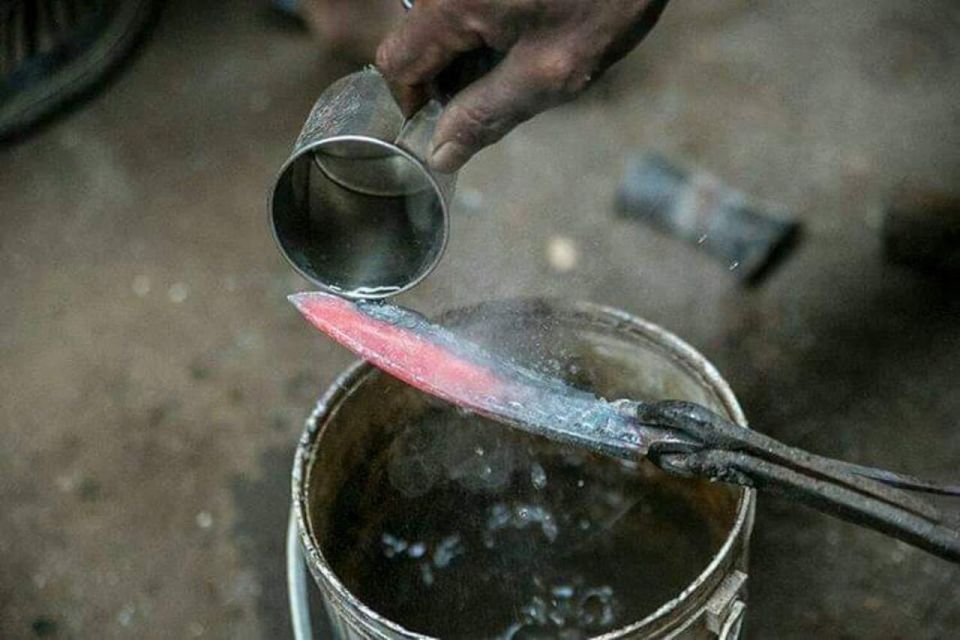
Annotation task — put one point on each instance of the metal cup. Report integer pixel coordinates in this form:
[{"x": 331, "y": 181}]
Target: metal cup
[{"x": 355, "y": 208}]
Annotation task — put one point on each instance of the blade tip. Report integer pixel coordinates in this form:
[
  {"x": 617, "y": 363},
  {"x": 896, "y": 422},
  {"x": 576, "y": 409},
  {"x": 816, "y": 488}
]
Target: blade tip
[
  {"x": 305, "y": 301},
  {"x": 298, "y": 300}
]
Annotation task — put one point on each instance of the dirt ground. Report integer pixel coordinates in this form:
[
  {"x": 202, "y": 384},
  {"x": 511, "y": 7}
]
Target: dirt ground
[{"x": 153, "y": 379}]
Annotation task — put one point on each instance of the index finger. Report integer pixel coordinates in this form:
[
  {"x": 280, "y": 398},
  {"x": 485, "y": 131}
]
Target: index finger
[{"x": 424, "y": 43}]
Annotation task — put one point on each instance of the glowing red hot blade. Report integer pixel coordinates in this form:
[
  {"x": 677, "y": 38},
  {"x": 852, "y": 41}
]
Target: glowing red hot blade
[{"x": 425, "y": 355}]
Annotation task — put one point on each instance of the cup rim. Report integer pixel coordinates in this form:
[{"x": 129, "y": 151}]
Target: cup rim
[
  {"x": 394, "y": 149},
  {"x": 342, "y": 387}
]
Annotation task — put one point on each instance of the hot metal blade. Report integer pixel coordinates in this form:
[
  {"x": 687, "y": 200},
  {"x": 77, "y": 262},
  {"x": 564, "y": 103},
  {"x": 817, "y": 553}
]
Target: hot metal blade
[{"x": 425, "y": 355}]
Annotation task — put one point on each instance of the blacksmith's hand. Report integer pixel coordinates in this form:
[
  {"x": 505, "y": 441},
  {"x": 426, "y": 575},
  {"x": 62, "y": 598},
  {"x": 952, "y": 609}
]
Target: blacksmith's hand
[{"x": 552, "y": 50}]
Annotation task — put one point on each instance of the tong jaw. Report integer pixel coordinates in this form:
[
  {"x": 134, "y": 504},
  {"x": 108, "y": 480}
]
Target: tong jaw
[{"x": 704, "y": 444}]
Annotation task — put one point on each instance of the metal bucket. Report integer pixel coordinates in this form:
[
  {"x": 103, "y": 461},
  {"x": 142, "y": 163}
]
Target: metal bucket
[{"x": 343, "y": 459}]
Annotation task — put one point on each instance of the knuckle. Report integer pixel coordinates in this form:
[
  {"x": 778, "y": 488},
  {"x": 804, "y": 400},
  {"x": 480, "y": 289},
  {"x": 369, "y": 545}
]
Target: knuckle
[
  {"x": 401, "y": 62},
  {"x": 563, "y": 73},
  {"x": 384, "y": 57},
  {"x": 392, "y": 56},
  {"x": 477, "y": 125}
]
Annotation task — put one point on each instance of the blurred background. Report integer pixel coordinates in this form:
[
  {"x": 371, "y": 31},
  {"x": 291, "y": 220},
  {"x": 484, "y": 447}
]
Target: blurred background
[{"x": 154, "y": 380}]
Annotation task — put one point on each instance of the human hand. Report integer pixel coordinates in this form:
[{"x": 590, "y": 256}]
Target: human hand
[{"x": 553, "y": 50}]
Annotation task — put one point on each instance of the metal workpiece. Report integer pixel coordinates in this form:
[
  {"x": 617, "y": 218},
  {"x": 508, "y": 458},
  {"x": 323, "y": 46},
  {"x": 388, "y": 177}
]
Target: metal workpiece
[
  {"x": 355, "y": 209},
  {"x": 748, "y": 239}
]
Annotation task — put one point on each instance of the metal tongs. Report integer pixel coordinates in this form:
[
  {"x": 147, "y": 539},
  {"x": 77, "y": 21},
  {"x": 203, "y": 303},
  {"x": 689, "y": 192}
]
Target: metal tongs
[
  {"x": 704, "y": 444},
  {"x": 682, "y": 438}
]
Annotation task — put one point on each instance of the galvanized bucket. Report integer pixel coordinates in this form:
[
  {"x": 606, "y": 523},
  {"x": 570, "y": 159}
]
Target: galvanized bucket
[{"x": 629, "y": 357}]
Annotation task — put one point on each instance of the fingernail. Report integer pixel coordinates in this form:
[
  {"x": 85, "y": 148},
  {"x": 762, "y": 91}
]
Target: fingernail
[{"x": 448, "y": 157}]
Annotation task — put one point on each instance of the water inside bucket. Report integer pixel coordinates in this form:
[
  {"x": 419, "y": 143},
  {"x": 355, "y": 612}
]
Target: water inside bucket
[{"x": 463, "y": 530}]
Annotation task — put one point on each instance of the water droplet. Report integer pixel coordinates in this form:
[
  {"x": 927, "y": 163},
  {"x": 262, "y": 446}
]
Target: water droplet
[
  {"x": 470, "y": 200},
  {"x": 447, "y": 549},
  {"x": 596, "y": 607},
  {"x": 562, "y": 591},
  {"x": 538, "y": 476},
  {"x": 519, "y": 517},
  {"x": 392, "y": 545},
  {"x": 426, "y": 572}
]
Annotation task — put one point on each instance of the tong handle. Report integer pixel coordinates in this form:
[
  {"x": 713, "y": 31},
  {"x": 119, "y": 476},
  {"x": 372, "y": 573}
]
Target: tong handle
[
  {"x": 881, "y": 515},
  {"x": 865, "y": 496}
]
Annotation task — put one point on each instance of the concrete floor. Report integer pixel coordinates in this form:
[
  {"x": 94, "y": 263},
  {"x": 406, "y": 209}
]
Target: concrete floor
[{"x": 153, "y": 379}]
